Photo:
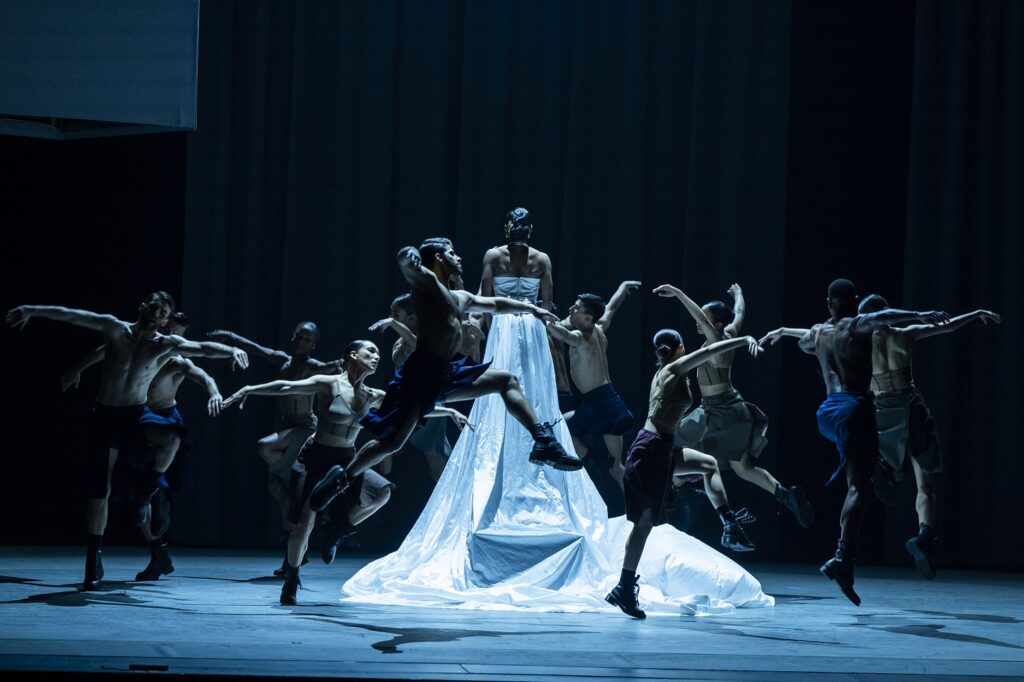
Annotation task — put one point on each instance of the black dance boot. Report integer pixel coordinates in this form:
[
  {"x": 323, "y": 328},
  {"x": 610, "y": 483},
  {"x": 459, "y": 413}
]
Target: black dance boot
[
  {"x": 840, "y": 569},
  {"x": 159, "y": 562},
  {"x": 335, "y": 534},
  {"x": 794, "y": 499},
  {"x": 334, "y": 483},
  {"x": 733, "y": 535},
  {"x": 291, "y": 585},
  {"x": 93, "y": 564},
  {"x": 626, "y": 596},
  {"x": 920, "y": 547},
  {"x": 547, "y": 450}
]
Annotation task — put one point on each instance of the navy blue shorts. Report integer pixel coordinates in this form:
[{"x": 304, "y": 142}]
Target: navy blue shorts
[
  {"x": 848, "y": 420},
  {"x": 601, "y": 412},
  {"x": 419, "y": 384}
]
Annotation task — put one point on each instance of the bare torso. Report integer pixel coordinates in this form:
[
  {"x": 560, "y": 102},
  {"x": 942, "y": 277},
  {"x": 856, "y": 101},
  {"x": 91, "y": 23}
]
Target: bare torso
[
  {"x": 472, "y": 336},
  {"x": 164, "y": 389},
  {"x": 439, "y": 319},
  {"x": 670, "y": 398},
  {"x": 588, "y": 361},
  {"x": 891, "y": 351},
  {"x": 342, "y": 406},
  {"x": 130, "y": 364},
  {"x": 508, "y": 261},
  {"x": 844, "y": 356}
]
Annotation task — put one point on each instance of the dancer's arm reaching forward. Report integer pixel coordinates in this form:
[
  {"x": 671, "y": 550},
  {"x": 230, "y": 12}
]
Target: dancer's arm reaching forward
[
  {"x": 19, "y": 317},
  {"x": 319, "y": 384},
  {"x": 278, "y": 357},
  {"x": 920, "y": 331},
  {"x": 683, "y": 365}
]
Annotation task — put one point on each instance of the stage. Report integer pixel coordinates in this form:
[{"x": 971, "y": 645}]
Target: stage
[{"x": 218, "y": 615}]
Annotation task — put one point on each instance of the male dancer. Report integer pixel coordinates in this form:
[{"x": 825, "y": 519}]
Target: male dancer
[
  {"x": 296, "y": 418},
  {"x": 653, "y": 460},
  {"x": 906, "y": 430},
  {"x": 432, "y": 373},
  {"x": 847, "y": 416},
  {"x": 602, "y": 412},
  {"x": 135, "y": 353},
  {"x": 164, "y": 429},
  {"x": 724, "y": 425}
]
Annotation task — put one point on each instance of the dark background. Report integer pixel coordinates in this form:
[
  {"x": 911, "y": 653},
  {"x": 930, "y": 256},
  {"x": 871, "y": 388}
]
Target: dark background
[{"x": 778, "y": 145}]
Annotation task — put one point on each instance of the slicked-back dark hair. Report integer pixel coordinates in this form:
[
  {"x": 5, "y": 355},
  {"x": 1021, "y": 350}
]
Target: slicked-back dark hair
[
  {"x": 311, "y": 326},
  {"x": 353, "y": 347},
  {"x": 592, "y": 304},
  {"x": 720, "y": 312},
  {"x": 181, "y": 319},
  {"x": 842, "y": 290},
  {"x": 161, "y": 297},
  {"x": 666, "y": 341},
  {"x": 431, "y": 247}
]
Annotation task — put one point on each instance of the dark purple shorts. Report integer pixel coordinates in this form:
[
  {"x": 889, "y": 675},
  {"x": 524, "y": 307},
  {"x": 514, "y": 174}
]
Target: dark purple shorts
[{"x": 648, "y": 478}]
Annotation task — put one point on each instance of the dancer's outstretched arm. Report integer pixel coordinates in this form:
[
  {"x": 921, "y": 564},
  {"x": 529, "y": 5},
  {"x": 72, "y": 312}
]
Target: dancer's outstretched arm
[
  {"x": 616, "y": 301},
  {"x": 686, "y": 363},
  {"x": 868, "y": 324},
  {"x": 208, "y": 349},
  {"x": 499, "y": 305},
  {"x": 278, "y": 357},
  {"x": 19, "y": 317},
  {"x": 559, "y": 332},
  {"x": 920, "y": 331},
  {"x": 739, "y": 312},
  {"x": 669, "y": 291},
  {"x": 774, "y": 335},
  {"x": 280, "y": 388},
  {"x": 195, "y": 373}
]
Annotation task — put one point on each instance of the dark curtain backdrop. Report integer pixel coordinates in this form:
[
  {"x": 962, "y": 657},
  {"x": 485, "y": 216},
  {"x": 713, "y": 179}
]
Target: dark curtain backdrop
[
  {"x": 963, "y": 251},
  {"x": 647, "y": 139}
]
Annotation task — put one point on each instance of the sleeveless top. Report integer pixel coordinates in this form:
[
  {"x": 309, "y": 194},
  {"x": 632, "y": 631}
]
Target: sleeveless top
[
  {"x": 519, "y": 288},
  {"x": 338, "y": 419}
]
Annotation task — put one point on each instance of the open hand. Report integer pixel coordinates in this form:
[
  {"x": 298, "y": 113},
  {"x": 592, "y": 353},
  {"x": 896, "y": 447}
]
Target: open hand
[
  {"x": 667, "y": 291},
  {"x": 544, "y": 315},
  {"x": 771, "y": 337},
  {"x": 19, "y": 317},
  {"x": 215, "y": 404},
  {"x": 461, "y": 420},
  {"x": 987, "y": 316},
  {"x": 238, "y": 396},
  {"x": 381, "y": 325},
  {"x": 753, "y": 346},
  {"x": 630, "y": 285},
  {"x": 735, "y": 290},
  {"x": 240, "y": 358},
  {"x": 935, "y": 317}
]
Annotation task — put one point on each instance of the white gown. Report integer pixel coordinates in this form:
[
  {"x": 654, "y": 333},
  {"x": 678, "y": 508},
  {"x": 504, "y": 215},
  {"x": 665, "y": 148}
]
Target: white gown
[{"x": 501, "y": 533}]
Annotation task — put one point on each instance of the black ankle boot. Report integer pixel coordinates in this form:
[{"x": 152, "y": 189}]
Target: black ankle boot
[
  {"x": 159, "y": 563},
  {"x": 291, "y": 585},
  {"x": 93, "y": 570},
  {"x": 335, "y": 534},
  {"x": 734, "y": 537},
  {"x": 794, "y": 499},
  {"x": 334, "y": 483},
  {"x": 547, "y": 450},
  {"x": 840, "y": 569},
  {"x": 626, "y": 596},
  {"x": 920, "y": 548}
]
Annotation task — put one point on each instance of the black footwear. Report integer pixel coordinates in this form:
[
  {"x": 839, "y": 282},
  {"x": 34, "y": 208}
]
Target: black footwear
[
  {"x": 884, "y": 482},
  {"x": 291, "y": 585},
  {"x": 547, "y": 450},
  {"x": 626, "y": 597},
  {"x": 334, "y": 483},
  {"x": 332, "y": 541},
  {"x": 842, "y": 572},
  {"x": 920, "y": 547},
  {"x": 159, "y": 564},
  {"x": 794, "y": 499},
  {"x": 280, "y": 572},
  {"x": 93, "y": 571},
  {"x": 733, "y": 535}
]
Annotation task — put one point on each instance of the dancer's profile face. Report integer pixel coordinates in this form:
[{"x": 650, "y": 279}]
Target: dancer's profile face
[
  {"x": 367, "y": 357},
  {"x": 579, "y": 318},
  {"x": 452, "y": 261}
]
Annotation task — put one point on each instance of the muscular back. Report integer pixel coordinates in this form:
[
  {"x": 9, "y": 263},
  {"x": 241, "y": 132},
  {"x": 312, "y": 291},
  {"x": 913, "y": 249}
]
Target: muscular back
[
  {"x": 891, "y": 360},
  {"x": 844, "y": 356},
  {"x": 528, "y": 262}
]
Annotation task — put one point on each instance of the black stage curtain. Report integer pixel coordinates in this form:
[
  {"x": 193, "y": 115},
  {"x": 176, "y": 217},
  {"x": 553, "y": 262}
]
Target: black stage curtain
[
  {"x": 648, "y": 140},
  {"x": 963, "y": 251}
]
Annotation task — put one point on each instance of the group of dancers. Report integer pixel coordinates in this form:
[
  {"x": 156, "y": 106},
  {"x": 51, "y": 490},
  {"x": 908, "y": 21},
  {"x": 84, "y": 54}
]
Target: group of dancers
[{"x": 873, "y": 412}]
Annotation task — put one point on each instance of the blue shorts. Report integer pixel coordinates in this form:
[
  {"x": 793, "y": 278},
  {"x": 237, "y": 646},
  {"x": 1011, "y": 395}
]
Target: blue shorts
[
  {"x": 848, "y": 420},
  {"x": 601, "y": 412}
]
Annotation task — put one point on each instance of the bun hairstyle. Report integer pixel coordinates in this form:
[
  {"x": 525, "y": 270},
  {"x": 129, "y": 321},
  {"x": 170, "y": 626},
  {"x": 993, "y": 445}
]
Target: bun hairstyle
[
  {"x": 720, "y": 312},
  {"x": 181, "y": 319},
  {"x": 353, "y": 347},
  {"x": 666, "y": 342},
  {"x": 517, "y": 225}
]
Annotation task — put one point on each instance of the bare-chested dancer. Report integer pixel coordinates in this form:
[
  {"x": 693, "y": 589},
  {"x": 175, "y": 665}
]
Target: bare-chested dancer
[
  {"x": 653, "y": 460},
  {"x": 724, "y": 424},
  {"x": 906, "y": 429},
  {"x": 431, "y": 439},
  {"x": 434, "y": 374},
  {"x": 602, "y": 412},
  {"x": 518, "y": 259},
  {"x": 135, "y": 353},
  {"x": 164, "y": 429},
  {"x": 847, "y": 416},
  {"x": 296, "y": 418},
  {"x": 343, "y": 399}
]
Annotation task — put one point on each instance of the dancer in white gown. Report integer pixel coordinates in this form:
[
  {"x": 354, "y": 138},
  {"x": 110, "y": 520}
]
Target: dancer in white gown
[{"x": 501, "y": 533}]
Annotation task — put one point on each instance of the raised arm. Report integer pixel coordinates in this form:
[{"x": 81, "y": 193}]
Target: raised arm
[
  {"x": 19, "y": 317},
  {"x": 278, "y": 357},
  {"x": 739, "y": 311},
  {"x": 280, "y": 388},
  {"x": 547, "y": 284},
  {"x": 920, "y": 331},
  {"x": 195, "y": 373},
  {"x": 208, "y": 349},
  {"x": 615, "y": 302},
  {"x": 561, "y": 332},
  {"x": 868, "y": 324},
  {"x": 686, "y": 363},
  {"x": 74, "y": 374},
  {"x": 669, "y": 291}
]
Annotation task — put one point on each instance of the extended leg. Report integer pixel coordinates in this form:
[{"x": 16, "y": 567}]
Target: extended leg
[
  {"x": 625, "y": 594},
  {"x": 690, "y": 461},
  {"x": 920, "y": 546}
]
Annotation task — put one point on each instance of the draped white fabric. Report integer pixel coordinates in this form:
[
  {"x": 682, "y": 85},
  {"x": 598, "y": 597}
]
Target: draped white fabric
[{"x": 501, "y": 533}]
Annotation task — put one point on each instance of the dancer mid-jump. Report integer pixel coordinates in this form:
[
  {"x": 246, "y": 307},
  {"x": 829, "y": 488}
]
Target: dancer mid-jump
[{"x": 435, "y": 373}]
